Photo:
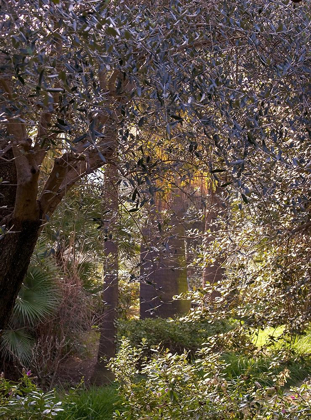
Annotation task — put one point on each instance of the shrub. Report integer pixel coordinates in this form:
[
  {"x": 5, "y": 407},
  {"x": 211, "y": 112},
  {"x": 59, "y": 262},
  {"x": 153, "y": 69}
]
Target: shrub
[
  {"x": 24, "y": 400},
  {"x": 169, "y": 386},
  {"x": 176, "y": 335}
]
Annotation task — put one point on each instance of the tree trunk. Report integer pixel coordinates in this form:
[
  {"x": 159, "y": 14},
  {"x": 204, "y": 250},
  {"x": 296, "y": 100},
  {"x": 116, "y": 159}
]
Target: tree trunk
[
  {"x": 195, "y": 227},
  {"x": 108, "y": 331},
  {"x": 23, "y": 205},
  {"x": 16, "y": 248},
  {"x": 18, "y": 237},
  {"x": 164, "y": 271}
]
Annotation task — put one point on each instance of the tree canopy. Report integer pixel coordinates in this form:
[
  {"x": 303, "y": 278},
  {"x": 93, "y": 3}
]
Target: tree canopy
[{"x": 222, "y": 88}]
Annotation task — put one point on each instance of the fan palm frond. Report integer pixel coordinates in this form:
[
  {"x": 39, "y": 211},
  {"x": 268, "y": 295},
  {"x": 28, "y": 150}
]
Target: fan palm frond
[
  {"x": 38, "y": 298},
  {"x": 17, "y": 344}
]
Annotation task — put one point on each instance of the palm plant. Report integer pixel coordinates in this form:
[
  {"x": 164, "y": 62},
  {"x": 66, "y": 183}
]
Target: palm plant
[{"x": 37, "y": 300}]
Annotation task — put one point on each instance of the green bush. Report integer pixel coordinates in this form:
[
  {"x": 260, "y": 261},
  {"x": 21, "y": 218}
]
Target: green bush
[
  {"x": 176, "y": 335},
  {"x": 170, "y": 386},
  {"x": 23, "y": 400}
]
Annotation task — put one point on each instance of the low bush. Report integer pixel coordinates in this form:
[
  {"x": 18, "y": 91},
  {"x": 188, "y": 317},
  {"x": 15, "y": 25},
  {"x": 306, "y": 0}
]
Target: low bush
[
  {"x": 170, "y": 386},
  {"x": 175, "y": 335},
  {"x": 23, "y": 400}
]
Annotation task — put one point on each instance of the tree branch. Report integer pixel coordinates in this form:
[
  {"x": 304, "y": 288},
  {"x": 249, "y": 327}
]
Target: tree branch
[
  {"x": 56, "y": 178},
  {"x": 27, "y": 171},
  {"x": 81, "y": 168},
  {"x": 71, "y": 167}
]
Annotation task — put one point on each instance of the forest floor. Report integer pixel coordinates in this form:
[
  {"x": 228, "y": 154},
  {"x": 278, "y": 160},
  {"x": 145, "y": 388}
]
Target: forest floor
[{"x": 75, "y": 368}]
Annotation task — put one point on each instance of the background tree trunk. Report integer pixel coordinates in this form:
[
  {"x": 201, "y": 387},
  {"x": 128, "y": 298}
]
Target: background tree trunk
[
  {"x": 164, "y": 271},
  {"x": 195, "y": 225},
  {"x": 108, "y": 330}
]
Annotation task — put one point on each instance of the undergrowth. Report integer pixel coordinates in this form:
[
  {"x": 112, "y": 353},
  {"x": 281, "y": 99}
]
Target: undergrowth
[
  {"x": 214, "y": 385},
  {"x": 231, "y": 376},
  {"x": 95, "y": 403}
]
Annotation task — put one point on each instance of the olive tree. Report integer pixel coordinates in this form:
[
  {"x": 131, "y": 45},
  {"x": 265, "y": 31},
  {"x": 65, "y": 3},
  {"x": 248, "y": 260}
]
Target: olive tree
[{"x": 220, "y": 82}]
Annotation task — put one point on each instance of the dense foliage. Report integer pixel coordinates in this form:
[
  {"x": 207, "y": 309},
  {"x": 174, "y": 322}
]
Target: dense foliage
[
  {"x": 173, "y": 388},
  {"x": 176, "y": 335},
  {"x": 24, "y": 400},
  {"x": 208, "y": 102},
  {"x": 180, "y": 89}
]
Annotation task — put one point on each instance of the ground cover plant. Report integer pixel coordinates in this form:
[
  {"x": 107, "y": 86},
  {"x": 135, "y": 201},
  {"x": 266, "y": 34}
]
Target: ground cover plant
[
  {"x": 96, "y": 403},
  {"x": 24, "y": 400},
  {"x": 151, "y": 382}
]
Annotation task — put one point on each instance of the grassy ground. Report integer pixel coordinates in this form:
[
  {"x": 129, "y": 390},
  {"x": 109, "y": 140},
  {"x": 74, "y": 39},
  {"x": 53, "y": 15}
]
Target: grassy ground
[
  {"x": 91, "y": 404},
  {"x": 264, "y": 368},
  {"x": 272, "y": 336},
  {"x": 295, "y": 355}
]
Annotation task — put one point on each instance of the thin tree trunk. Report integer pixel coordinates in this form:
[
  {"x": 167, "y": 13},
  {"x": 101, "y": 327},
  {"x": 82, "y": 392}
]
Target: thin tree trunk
[
  {"x": 195, "y": 224},
  {"x": 108, "y": 331}
]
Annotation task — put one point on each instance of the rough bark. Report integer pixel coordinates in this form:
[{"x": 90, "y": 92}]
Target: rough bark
[
  {"x": 16, "y": 248},
  {"x": 19, "y": 232},
  {"x": 20, "y": 215},
  {"x": 164, "y": 273}
]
